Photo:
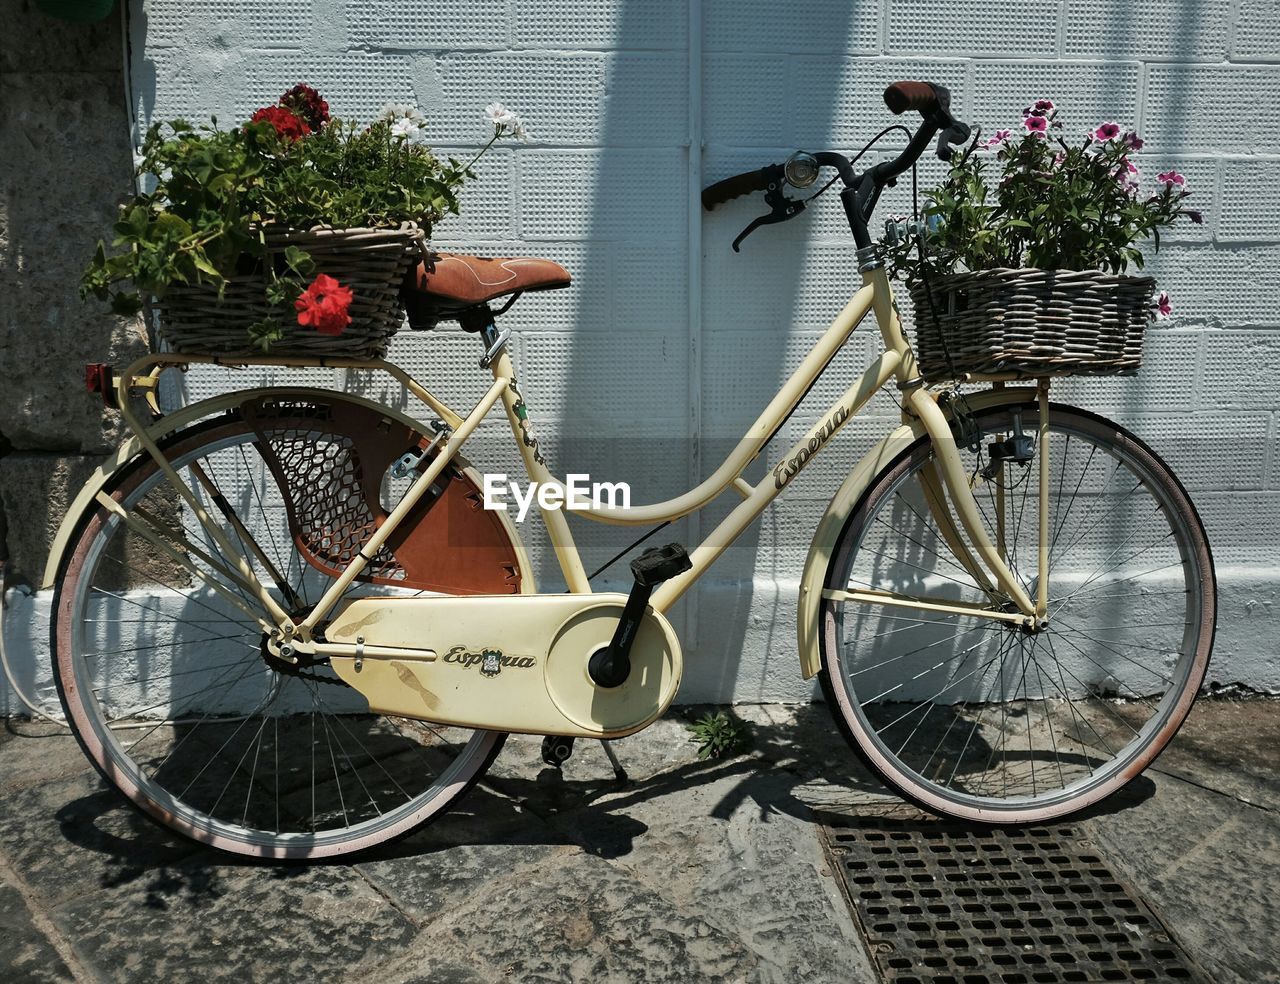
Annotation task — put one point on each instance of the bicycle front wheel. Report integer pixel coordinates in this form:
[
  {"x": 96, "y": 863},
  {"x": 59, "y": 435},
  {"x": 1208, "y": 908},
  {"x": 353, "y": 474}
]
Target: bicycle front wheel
[
  {"x": 168, "y": 682},
  {"x": 987, "y": 720}
]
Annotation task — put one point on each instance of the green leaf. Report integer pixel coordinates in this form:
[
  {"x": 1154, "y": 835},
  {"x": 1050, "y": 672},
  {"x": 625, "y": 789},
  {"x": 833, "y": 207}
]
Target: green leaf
[
  {"x": 126, "y": 304},
  {"x": 299, "y": 260},
  {"x": 167, "y": 223},
  {"x": 203, "y": 264}
]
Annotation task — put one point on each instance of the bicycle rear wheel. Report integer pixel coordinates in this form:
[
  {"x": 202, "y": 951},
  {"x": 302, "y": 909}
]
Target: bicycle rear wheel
[
  {"x": 172, "y": 692},
  {"x": 984, "y": 720}
]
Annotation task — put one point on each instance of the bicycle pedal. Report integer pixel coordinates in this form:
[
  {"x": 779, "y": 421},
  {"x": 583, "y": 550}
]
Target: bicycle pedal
[
  {"x": 609, "y": 667},
  {"x": 660, "y": 564},
  {"x": 556, "y": 750}
]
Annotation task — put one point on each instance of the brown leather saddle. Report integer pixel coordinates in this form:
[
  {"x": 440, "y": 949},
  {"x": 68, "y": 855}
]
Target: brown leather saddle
[{"x": 456, "y": 286}]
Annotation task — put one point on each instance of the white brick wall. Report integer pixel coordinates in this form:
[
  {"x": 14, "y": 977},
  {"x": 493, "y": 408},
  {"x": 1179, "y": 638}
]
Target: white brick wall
[{"x": 602, "y": 187}]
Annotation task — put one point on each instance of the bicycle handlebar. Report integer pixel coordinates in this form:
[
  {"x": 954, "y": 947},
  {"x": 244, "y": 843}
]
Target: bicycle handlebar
[
  {"x": 903, "y": 96},
  {"x": 740, "y": 184},
  {"x": 931, "y": 101}
]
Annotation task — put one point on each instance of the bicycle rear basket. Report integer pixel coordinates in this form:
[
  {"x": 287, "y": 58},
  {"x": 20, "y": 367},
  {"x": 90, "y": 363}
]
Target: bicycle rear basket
[
  {"x": 1031, "y": 323},
  {"x": 371, "y": 262}
]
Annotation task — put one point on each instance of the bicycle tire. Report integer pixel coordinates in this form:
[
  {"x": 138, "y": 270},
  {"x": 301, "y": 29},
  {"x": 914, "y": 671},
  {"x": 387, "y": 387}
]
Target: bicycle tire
[
  {"x": 1081, "y": 715},
  {"x": 389, "y": 743}
]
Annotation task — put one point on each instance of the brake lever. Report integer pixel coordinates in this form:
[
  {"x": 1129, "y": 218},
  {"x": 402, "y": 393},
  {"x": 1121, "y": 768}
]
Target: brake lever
[
  {"x": 956, "y": 134},
  {"x": 781, "y": 209}
]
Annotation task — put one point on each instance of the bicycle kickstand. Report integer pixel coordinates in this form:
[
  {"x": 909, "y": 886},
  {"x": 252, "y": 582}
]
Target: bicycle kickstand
[{"x": 619, "y": 772}]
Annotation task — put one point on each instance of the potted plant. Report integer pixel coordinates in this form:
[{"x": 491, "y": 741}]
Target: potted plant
[
  {"x": 291, "y": 232},
  {"x": 1024, "y": 266}
]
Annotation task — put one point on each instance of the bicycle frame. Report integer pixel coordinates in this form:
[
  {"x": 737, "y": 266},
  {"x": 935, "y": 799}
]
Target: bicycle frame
[{"x": 947, "y": 483}]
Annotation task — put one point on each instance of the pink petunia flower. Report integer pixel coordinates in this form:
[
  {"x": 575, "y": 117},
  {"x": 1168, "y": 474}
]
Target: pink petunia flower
[
  {"x": 1107, "y": 131},
  {"x": 1037, "y": 125},
  {"x": 1134, "y": 141},
  {"x": 1172, "y": 178},
  {"x": 1043, "y": 107},
  {"x": 1163, "y": 307},
  {"x": 1000, "y": 137}
]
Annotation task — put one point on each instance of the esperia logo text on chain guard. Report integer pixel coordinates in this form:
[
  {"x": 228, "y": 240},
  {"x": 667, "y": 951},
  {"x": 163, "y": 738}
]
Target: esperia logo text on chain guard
[{"x": 490, "y": 661}]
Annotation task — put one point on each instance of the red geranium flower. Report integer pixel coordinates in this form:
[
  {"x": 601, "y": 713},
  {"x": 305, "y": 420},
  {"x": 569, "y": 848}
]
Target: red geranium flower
[
  {"x": 307, "y": 105},
  {"x": 325, "y": 306},
  {"x": 287, "y": 124}
]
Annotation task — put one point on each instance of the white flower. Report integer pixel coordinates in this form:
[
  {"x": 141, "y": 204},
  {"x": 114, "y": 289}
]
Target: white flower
[
  {"x": 392, "y": 112},
  {"x": 404, "y": 127},
  {"x": 505, "y": 121},
  {"x": 406, "y": 121},
  {"x": 499, "y": 115}
]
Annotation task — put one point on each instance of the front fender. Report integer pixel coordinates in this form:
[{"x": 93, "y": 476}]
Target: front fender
[
  {"x": 846, "y": 500},
  {"x": 172, "y": 423}
]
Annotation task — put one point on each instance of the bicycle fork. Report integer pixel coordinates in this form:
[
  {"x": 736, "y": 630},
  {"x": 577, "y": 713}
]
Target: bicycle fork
[{"x": 949, "y": 473}]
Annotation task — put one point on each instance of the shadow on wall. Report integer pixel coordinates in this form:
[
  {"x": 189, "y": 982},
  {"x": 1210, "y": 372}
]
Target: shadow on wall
[
  {"x": 770, "y": 84},
  {"x": 674, "y": 377}
]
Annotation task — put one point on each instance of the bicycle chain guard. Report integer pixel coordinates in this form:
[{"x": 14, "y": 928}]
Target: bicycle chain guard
[
  {"x": 330, "y": 460},
  {"x": 507, "y": 663}
]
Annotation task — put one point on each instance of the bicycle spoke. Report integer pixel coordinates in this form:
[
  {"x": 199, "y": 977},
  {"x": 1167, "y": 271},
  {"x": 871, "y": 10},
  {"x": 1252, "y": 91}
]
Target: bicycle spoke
[
  {"x": 982, "y": 710},
  {"x": 1136, "y": 696},
  {"x": 1119, "y": 580},
  {"x": 949, "y": 685},
  {"x": 1009, "y": 721},
  {"x": 922, "y": 546},
  {"x": 173, "y": 618},
  {"x": 133, "y": 650},
  {"x": 951, "y": 638},
  {"x": 1083, "y": 523},
  {"x": 1079, "y": 717},
  {"x": 373, "y": 758},
  {"x": 230, "y": 744}
]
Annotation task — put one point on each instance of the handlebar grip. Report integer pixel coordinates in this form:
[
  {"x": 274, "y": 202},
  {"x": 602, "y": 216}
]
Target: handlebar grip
[
  {"x": 735, "y": 187},
  {"x": 901, "y": 97}
]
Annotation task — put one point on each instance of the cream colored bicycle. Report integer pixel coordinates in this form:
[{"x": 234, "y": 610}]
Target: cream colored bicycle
[{"x": 285, "y": 627}]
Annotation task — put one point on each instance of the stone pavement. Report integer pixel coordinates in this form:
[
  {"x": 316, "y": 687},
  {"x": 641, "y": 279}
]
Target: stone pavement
[{"x": 693, "y": 871}]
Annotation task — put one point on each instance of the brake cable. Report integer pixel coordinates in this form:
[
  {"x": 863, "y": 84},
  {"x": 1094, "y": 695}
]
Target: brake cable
[{"x": 858, "y": 156}]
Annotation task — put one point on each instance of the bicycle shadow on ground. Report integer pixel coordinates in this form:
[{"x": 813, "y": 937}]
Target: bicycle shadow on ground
[
  {"x": 126, "y": 848},
  {"x": 800, "y": 769}
]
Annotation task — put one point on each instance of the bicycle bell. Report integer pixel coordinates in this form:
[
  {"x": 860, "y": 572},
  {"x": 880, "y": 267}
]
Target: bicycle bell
[{"x": 801, "y": 169}]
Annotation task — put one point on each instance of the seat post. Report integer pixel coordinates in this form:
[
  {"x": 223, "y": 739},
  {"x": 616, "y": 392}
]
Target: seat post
[{"x": 493, "y": 340}]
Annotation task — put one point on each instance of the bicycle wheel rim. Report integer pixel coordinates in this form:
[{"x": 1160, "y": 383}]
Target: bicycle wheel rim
[
  {"x": 110, "y": 748},
  {"x": 1120, "y": 763}
]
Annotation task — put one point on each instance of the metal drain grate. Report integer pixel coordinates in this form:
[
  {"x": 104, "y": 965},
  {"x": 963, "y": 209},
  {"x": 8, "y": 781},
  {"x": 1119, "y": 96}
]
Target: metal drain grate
[{"x": 943, "y": 903}]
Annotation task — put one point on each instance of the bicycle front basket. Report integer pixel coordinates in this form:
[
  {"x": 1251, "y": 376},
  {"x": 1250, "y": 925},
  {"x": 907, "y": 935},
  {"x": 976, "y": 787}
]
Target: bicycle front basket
[{"x": 1031, "y": 323}]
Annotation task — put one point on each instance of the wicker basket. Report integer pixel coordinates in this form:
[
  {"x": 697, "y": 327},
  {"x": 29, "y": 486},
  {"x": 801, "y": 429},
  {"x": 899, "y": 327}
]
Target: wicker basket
[
  {"x": 1032, "y": 323},
  {"x": 372, "y": 262}
]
